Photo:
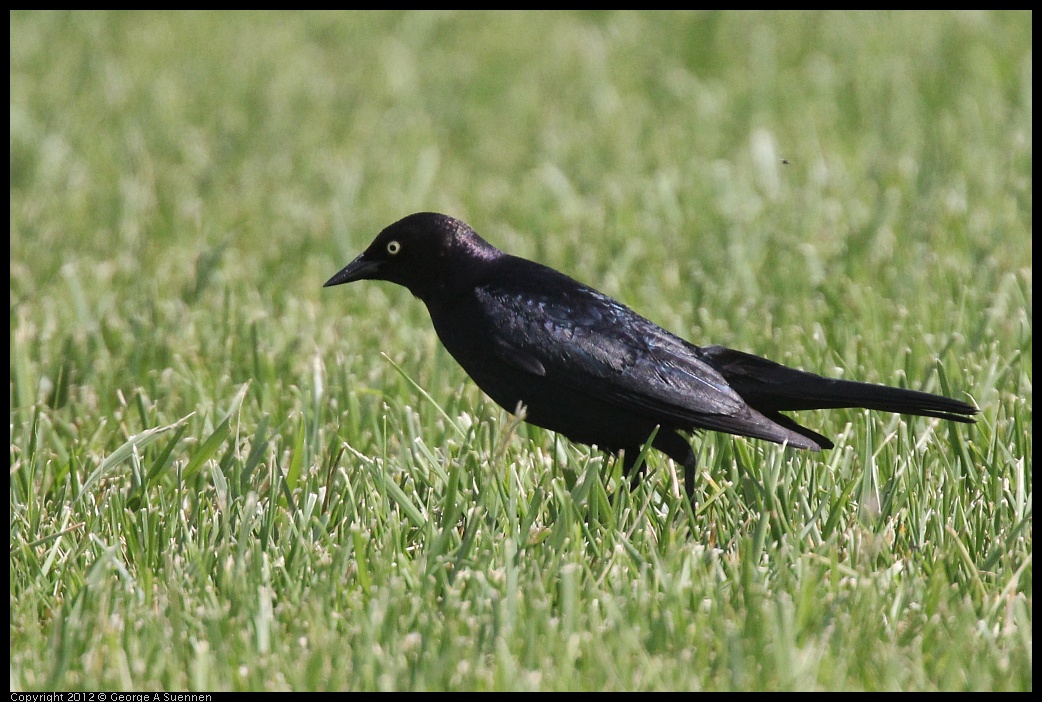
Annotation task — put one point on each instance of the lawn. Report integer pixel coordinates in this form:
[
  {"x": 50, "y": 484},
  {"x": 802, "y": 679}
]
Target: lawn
[{"x": 225, "y": 477}]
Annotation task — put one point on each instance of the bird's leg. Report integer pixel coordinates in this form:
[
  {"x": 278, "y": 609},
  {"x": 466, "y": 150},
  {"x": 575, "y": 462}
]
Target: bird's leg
[
  {"x": 676, "y": 447},
  {"x": 629, "y": 458}
]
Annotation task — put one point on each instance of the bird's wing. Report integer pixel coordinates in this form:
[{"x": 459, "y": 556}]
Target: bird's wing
[
  {"x": 545, "y": 324},
  {"x": 583, "y": 339}
]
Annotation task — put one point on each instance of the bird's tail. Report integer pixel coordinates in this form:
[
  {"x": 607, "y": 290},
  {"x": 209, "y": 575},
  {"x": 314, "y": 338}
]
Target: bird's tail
[{"x": 770, "y": 388}]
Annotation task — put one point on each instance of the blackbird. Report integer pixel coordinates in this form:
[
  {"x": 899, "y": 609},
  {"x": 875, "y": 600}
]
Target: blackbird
[{"x": 592, "y": 369}]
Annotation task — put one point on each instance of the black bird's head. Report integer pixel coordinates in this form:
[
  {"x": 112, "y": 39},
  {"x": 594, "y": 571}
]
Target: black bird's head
[{"x": 428, "y": 253}]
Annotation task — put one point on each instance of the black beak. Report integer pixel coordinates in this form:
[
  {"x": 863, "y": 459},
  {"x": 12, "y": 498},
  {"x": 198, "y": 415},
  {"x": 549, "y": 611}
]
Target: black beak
[{"x": 358, "y": 269}]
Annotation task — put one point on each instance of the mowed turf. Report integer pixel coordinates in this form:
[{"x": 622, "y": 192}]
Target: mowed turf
[{"x": 225, "y": 477}]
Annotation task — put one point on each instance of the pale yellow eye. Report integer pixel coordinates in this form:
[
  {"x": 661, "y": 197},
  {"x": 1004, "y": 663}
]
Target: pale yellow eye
[{"x": 393, "y": 247}]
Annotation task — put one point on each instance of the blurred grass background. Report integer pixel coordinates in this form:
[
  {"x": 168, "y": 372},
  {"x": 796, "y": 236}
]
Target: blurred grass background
[{"x": 220, "y": 479}]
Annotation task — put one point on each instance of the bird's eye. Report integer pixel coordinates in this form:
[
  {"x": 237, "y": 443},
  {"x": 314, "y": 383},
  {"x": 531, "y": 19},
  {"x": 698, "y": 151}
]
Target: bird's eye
[{"x": 393, "y": 247}]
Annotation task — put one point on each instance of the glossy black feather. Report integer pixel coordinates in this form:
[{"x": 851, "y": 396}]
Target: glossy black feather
[{"x": 591, "y": 368}]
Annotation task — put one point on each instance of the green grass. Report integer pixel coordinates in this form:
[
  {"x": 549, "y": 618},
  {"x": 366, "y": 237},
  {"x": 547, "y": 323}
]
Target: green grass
[{"x": 225, "y": 477}]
